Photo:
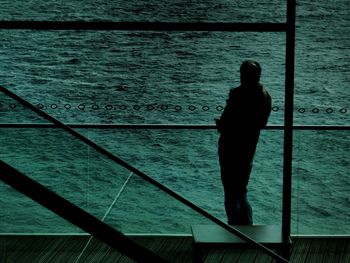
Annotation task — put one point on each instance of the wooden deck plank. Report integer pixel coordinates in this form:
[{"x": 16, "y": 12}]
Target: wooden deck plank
[
  {"x": 214, "y": 256},
  {"x": 52, "y": 249},
  {"x": 300, "y": 250},
  {"x": 263, "y": 258},
  {"x": 67, "y": 251},
  {"x": 48, "y": 253},
  {"x": 111, "y": 256},
  {"x": 186, "y": 250},
  {"x": 333, "y": 251},
  {"x": 179, "y": 249},
  {"x": 317, "y": 250},
  {"x": 345, "y": 253},
  {"x": 26, "y": 249},
  {"x": 15, "y": 248},
  {"x": 231, "y": 255},
  {"x": 248, "y": 255},
  {"x": 42, "y": 244},
  {"x": 2, "y": 249},
  {"x": 92, "y": 250},
  {"x": 168, "y": 248}
]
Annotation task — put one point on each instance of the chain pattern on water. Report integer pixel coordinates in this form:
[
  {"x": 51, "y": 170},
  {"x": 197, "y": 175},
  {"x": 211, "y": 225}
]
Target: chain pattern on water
[{"x": 162, "y": 107}]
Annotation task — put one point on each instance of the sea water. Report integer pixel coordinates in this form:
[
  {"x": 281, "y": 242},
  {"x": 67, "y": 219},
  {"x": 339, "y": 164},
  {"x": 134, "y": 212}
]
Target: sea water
[{"x": 137, "y": 77}]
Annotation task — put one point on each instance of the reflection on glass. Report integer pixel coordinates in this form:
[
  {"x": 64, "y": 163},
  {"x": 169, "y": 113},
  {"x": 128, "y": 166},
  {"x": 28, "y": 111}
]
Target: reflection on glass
[{"x": 321, "y": 183}]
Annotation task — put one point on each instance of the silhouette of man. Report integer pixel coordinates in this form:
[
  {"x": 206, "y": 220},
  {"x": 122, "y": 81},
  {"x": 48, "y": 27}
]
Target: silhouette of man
[{"x": 246, "y": 112}]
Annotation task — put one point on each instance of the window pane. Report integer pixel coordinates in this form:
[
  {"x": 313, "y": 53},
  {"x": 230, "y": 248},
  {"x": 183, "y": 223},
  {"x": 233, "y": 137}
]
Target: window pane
[
  {"x": 321, "y": 183},
  {"x": 144, "y": 209},
  {"x": 90, "y": 180},
  {"x": 322, "y": 63},
  {"x": 187, "y": 162},
  {"x": 137, "y": 77},
  {"x": 145, "y": 10},
  {"x": 19, "y": 215}
]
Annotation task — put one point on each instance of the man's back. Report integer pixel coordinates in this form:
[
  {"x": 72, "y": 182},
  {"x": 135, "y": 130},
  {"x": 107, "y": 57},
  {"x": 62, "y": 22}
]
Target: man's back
[{"x": 247, "y": 111}]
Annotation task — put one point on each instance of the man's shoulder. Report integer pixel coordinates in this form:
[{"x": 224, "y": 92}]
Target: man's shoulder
[
  {"x": 235, "y": 91},
  {"x": 266, "y": 94}
]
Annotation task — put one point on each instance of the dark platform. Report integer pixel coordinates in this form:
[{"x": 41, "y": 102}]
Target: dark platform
[{"x": 209, "y": 237}]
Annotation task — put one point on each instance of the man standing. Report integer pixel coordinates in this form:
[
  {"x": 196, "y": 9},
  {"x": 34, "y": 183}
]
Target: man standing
[{"x": 246, "y": 113}]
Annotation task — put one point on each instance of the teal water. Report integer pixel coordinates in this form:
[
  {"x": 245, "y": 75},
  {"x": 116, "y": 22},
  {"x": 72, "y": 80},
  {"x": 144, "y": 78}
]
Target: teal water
[{"x": 173, "y": 77}]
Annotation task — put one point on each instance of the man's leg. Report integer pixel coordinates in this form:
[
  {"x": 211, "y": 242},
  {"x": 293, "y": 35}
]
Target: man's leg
[
  {"x": 238, "y": 209},
  {"x": 233, "y": 209},
  {"x": 246, "y": 211},
  {"x": 235, "y": 173}
]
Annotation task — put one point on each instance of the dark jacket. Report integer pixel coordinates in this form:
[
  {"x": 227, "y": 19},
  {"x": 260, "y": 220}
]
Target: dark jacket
[{"x": 245, "y": 114}]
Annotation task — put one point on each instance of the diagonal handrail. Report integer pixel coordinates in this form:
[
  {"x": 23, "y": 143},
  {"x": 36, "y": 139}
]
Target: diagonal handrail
[
  {"x": 76, "y": 215},
  {"x": 137, "y": 172}
]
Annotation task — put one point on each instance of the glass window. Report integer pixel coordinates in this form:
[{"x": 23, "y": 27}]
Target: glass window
[
  {"x": 145, "y": 10},
  {"x": 137, "y": 77},
  {"x": 90, "y": 180},
  {"x": 321, "y": 183}
]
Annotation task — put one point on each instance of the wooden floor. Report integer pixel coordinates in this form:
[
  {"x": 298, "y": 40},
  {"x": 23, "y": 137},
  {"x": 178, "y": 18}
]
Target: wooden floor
[{"x": 45, "y": 249}]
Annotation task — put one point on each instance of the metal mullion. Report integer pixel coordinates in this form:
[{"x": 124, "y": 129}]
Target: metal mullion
[
  {"x": 288, "y": 119},
  {"x": 143, "y": 26},
  {"x": 164, "y": 126}
]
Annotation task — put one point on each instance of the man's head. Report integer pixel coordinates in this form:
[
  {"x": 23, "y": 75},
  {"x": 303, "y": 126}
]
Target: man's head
[{"x": 250, "y": 72}]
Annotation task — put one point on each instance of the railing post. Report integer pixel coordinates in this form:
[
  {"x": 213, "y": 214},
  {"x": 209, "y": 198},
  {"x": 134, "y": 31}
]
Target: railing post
[{"x": 288, "y": 118}]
